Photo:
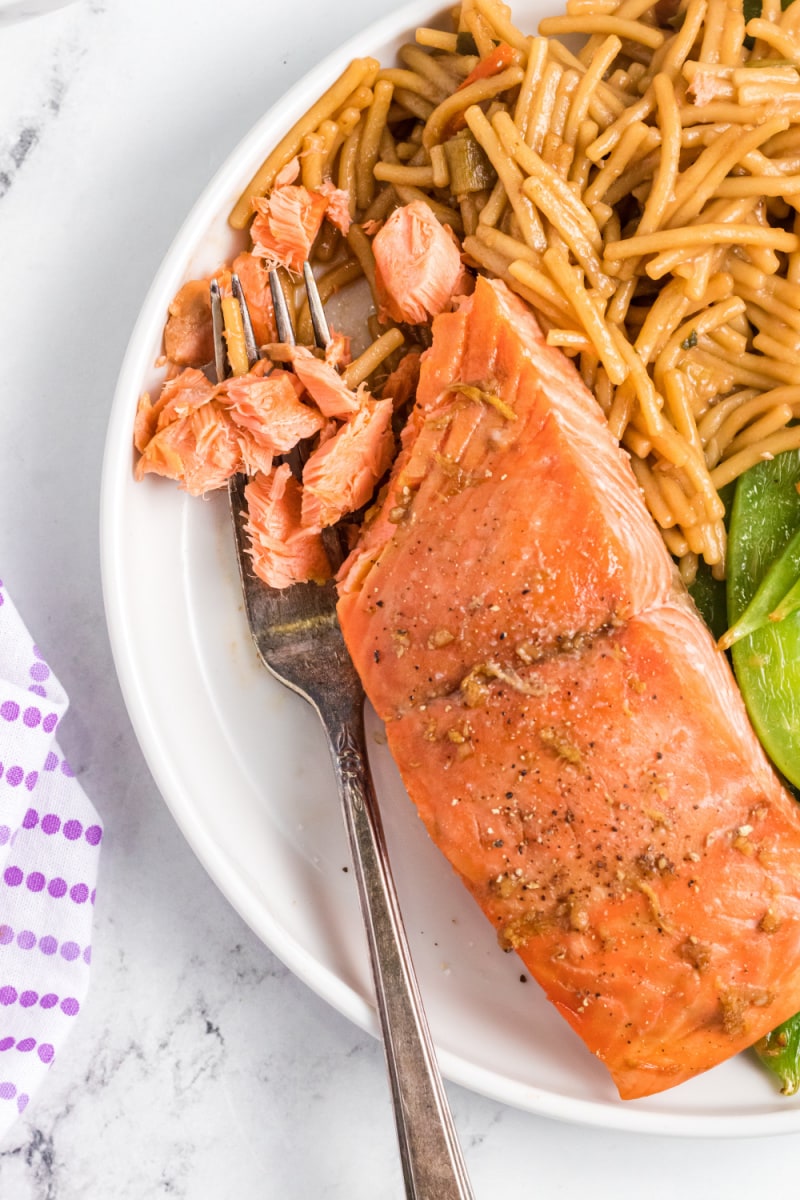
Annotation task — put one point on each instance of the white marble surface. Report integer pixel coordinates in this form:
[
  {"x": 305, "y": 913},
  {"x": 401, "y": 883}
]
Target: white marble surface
[{"x": 199, "y": 1068}]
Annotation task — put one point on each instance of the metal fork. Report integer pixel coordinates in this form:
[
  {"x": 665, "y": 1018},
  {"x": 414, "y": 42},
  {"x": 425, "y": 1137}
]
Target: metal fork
[{"x": 299, "y": 641}]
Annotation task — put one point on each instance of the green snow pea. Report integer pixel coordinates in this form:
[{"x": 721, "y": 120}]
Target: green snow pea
[
  {"x": 763, "y": 526},
  {"x": 764, "y": 519},
  {"x": 775, "y": 598},
  {"x": 780, "y": 1052}
]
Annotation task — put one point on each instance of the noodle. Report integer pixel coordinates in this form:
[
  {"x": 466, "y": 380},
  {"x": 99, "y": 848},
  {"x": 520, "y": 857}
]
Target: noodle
[{"x": 640, "y": 192}]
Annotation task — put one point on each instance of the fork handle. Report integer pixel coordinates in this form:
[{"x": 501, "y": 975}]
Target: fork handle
[{"x": 433, "y": 1166}]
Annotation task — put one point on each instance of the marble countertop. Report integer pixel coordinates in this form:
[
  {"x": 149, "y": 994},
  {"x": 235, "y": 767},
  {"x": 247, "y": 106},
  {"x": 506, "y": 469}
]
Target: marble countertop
[{"x": 200, "y": 1067}]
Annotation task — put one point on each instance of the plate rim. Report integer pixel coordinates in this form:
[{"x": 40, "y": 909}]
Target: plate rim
[{"x": 620, "y": 1116}]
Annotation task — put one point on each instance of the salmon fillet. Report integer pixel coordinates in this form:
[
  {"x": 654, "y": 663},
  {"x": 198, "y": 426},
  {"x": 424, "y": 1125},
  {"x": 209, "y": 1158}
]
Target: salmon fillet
[
  {"x": 467, "y": 556},
  {"x": 571, "y": 738}
]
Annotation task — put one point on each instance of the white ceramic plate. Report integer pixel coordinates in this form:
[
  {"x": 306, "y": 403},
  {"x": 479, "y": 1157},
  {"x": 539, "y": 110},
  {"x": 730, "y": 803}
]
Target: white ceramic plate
[{"x": 244, "y": 768}]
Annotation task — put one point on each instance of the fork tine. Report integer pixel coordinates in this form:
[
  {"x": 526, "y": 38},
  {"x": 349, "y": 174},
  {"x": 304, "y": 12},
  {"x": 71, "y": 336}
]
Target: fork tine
[
  {"x": 217, "y": 325},
  {"x": 282, "y": 318},
  {"x": 322, "y": 334},
  {"x": 249, "y": 336}
]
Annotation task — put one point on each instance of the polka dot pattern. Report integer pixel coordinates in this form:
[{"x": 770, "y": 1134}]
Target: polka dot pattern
[
  {"x": 26, "y": 939},
  {"x": 31, "y": 716},
  {"x": 46, "y": 1051},
  {"x": 71, "y": 829},
  {"x": 57, "y": 887},
  {"x": 49, "y": 838},
  {"x": 68, "y": 1005}
]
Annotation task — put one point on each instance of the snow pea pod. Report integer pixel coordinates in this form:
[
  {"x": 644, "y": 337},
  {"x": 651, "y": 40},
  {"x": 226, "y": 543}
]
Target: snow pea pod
[
  {"x": 764, "y": 522},
  {"x": 789, "y": 604},
  {"x": 780, "y": 1052},
  {"x": 765, "y": 516},
  {"x": 775, "y": 598}
]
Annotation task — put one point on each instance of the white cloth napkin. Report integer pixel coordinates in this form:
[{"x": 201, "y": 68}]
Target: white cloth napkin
[{"x": 49, "y": 848}]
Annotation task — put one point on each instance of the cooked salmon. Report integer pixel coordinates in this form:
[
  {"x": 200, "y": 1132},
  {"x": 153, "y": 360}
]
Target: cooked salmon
[
  {"x": 283, "y": 550},
  {"x": 200, "y": 433},
  {"x": 188, "y": 334},
  {"x": 418, "y": 268},
  {"x": 338, "y": 353},
  {"x": 325, "y": 386},
  {"x": 288, "y": 220},
  {"x": 571, "y": 737},
  {"x": 340, "y": 476},
  {"x": 200, "y": 450},
  {"x": 502, "y": 447},
  {"x": 338, "y": 210},
  {"x": 254, "y": 278},
  {"x": 270, "y": 411},
  {"x": 401, "y": 383}
]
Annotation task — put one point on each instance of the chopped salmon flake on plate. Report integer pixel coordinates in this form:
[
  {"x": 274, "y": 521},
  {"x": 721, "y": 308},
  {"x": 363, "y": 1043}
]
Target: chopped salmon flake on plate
[
  {"x": 325, "y": 386},
  {"x": 283, "y": 550},
  {"x": 188, "y": 336},
  {"x": 418, "y": 268},
  {"x": 289, "y": 219},
  {"x": 340, "y": 476},
  {"x": 269, "y": 409}
]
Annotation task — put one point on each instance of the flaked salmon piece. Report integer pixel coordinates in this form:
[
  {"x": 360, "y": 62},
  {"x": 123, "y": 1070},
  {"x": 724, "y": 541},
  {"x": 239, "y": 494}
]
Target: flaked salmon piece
[
  {"x": 269, "y": 410},
  {"x": 254, "y": 278},
  {"x": 401, "y": 384},
  {"x": 200, "y": 450},
  {"x": 337, "y": 352},
  {"x": 338, "y": 210},
  {"x": 508, "y": 470},
  {"x": 288, "y": 220},
  {"x": 182, "y": 395},
  {"x": 614, "y": 815},
  {"x": 286, "y": 224},
  {"x": 282, "y": 549},
  {"x": 200, "y": 433},
  {"x": 179, "y": 395},
  {"x": 188, "y": 335},
  {"x": 340, "y": 476},
  {"x": 325, "y": 386},
  {"x": 418, "y": 266},
  {"x": 571, "y": 737}
]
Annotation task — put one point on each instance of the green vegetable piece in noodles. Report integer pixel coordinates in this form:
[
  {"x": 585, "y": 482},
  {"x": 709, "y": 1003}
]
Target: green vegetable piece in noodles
[{"x": 468, "y": 165}]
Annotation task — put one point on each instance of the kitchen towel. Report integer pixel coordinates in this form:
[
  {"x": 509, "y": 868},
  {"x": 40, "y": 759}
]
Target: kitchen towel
[{"x": 49, "y": 848}]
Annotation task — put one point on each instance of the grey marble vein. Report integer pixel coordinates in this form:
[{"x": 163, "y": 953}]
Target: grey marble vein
[{"x": 34, "y": 104}]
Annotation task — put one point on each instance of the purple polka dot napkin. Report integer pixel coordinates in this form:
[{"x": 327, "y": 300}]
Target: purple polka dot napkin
[{"x": 49, "y": 847}]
